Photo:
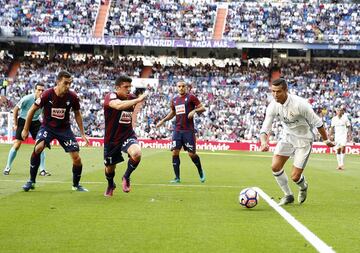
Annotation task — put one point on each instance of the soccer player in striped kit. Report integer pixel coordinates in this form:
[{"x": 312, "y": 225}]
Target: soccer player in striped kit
[
  {"x": 57, "y": 103},
  {"x": 119, "y": 133},
  {"x": 184, "y": 106}
]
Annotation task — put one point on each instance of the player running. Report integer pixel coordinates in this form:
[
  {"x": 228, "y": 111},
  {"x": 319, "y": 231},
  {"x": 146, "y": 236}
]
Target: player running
[
  {"x": 119, "y": 134},
  {"x": 298, "y": 119}
]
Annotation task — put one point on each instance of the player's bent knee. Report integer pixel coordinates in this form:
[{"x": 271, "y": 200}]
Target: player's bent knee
[
  {"x": 76, "y": 160},
  {"x": 39, "y": 147},
  {"x": 17, "y": 145},
  {"x": 295, "y": 176},
  {"x": 136, "y": 156},
  {"x": 275, "y": 167},
  {"x": 176, "y": 152},
  {"x": 192, "y": 155}
]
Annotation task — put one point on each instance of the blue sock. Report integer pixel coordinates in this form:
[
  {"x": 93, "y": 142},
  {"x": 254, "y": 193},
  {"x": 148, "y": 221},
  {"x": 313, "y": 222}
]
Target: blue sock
[
  {"x": 42, "y": 161},
  {"x": 176, "y": 166},
  {"x": 11, "y": 157}
]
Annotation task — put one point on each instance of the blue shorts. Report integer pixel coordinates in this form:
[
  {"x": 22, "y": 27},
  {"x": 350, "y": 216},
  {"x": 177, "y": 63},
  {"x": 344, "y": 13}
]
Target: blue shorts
[
  {"x": 66, "y": 138},
  {"x": 186, "y": 140},
  {"x": 112, "y": 153}
]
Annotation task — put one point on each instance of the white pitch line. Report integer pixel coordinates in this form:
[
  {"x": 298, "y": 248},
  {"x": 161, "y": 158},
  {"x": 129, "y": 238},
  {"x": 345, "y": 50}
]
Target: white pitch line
[
  {"x": 315, "y": 241},
  {"x": 104, "y": 182}
]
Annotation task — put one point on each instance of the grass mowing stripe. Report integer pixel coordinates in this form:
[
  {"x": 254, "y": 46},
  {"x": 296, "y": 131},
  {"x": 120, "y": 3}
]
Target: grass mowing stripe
[{"x": 318, "y": 244}]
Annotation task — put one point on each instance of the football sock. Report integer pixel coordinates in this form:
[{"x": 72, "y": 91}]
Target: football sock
[
  {"x": 11, "y": 157},
  {"x": 282, "y": 180},
  {"x": 76, "y": 174},
  {"x": 34, "y": 165},
  {"x": 196, "y": 161},
  {"x": 131, "y": 167},
  {"x": 42, "y": 161},
  {"x": 338, "y": 158},
  {"x": 302, "y": 183},
  {"x": 342, "y": 156},
  {"x": 110, "y": 178},
  {"x": 176, "y": 165}
]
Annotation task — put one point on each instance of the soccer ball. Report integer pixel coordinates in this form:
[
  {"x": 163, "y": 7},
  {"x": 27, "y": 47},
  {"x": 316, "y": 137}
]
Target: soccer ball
[{"x": 248, "y": 198}]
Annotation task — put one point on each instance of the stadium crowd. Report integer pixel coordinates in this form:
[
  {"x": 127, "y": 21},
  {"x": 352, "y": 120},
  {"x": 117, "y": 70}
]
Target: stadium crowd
[
  {"x": 192, "y": 20},
  {"x": 261, "y": 21},
  {"x": 293, "y": 22},
  {"x": 234, "y": 95},
  {"x": 50, "y": 17}
]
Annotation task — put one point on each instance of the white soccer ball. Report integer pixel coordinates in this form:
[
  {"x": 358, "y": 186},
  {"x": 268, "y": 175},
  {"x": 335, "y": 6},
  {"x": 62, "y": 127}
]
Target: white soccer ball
[{"x": 248, "y": 198}]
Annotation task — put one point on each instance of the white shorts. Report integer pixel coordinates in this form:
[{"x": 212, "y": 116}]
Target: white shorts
[
  {"x": 301, "y": 155},
  {"x": 340, "y": 142}
]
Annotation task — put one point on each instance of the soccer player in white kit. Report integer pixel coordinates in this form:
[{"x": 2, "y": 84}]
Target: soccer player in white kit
[
  {"x": 341, "y": 124},
  {"x": 298, "y": 119}
]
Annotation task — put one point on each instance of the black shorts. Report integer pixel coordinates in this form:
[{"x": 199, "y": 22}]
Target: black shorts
[
  {"x": 34, "y": 128},
  {"x": 113, "y": 155},
  {"x": 66, "y": 138},
  {"x": 185, "y": 139}
]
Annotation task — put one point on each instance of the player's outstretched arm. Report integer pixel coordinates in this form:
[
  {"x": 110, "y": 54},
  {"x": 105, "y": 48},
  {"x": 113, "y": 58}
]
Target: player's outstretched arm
[
  {"x": 79, "y": 122},
  {"x": 324, "y": 136},
  {"x": 168, "y": 117},
  {"x": 126, "y": 104},
  {"x": 29, "y": 117}
]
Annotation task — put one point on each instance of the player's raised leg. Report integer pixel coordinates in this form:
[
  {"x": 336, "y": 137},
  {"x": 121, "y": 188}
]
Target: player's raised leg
[{"x": 134, "y": 152}]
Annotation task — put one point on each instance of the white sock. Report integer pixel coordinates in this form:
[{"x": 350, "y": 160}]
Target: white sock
[
  {"x": 342, "y": 156},
  {"x": 338, "y": 158},
  {"x": 302, "y": 183},
  {"x": 282, "y": 180}
]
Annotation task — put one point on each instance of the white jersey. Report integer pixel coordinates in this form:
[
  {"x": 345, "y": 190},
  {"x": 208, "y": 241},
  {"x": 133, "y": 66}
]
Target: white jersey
[
  {"x": 297, "y": 118},
  {"x": 340, "y": 126}
]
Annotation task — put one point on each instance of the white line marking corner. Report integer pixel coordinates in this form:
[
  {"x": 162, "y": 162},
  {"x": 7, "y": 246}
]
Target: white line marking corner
[{"x": 315, "y": 241}]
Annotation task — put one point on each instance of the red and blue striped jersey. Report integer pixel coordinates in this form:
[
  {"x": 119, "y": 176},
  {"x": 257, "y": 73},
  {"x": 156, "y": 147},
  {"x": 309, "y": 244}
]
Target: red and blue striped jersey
[
  {"x": 118, "y": 124},
  {"x": 56, "y": 112},
  {"x": 183, "y": 105}
]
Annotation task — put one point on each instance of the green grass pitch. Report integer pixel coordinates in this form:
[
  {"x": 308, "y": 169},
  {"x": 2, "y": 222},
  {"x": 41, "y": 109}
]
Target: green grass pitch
[{"x": 158, "y": 217}]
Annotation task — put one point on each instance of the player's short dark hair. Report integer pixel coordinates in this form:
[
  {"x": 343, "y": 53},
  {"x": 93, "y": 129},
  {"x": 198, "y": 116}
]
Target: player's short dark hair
[
  {"x": 39, "y": 84},
  {"x": 122, "y": 79},
  {"x": 280, "y": 81},
  {"x": 63, "y": 74},
  {"x": 275, "y": 68}
]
